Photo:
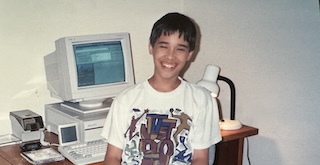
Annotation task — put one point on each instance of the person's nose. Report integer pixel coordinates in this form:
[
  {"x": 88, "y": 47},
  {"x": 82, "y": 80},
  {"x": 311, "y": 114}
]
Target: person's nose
[{"x": 171, "y": 54}]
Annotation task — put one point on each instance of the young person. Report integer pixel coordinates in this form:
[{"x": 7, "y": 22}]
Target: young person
[{"x": 164, "y": 120}]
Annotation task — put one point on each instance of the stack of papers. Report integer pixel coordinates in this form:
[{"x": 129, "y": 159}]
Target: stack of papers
[
  {"x": 42, "y": 156},
  {"x": 8, "y": 139}
]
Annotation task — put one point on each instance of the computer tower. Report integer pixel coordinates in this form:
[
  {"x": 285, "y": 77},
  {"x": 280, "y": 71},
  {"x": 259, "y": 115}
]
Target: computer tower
[{"x": 90, "y": 124}]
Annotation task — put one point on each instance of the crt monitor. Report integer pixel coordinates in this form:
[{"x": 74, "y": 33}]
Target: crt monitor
[{"x": 89, "y": 69}]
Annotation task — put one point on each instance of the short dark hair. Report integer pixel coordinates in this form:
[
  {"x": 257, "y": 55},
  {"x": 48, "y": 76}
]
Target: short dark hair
[{"x": 171, "y": 23}]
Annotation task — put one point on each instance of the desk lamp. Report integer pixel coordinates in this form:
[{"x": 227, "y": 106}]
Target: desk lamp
[{"x": 209, "y": 81}]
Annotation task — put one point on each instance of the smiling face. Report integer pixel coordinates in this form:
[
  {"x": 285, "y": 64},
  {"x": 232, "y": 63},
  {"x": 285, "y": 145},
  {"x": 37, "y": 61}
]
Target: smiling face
[{"x": 170, "y": 54}]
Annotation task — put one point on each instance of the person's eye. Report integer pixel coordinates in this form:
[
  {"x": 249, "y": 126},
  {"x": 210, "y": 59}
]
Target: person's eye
[
  {"x": 182, "y": 49},
  {"x": 163, "y": 46}
]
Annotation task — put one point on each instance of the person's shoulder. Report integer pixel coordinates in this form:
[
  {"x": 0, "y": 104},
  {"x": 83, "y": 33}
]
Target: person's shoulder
[
  {"x": 197, "y": 90},
  {"x": 131, "y": 91},
  {"x": 195, "y": 87},
  {"x": 200, "y": 96}
]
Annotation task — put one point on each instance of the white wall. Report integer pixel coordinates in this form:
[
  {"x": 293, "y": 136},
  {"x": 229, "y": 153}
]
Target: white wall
[{"x": 269, "y": 48}]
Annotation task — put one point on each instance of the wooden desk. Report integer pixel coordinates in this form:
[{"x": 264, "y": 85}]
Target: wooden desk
[
  {"x": 229, "y": 151},
  {"x": 11, "y": 153},
  {"x": 3, "y": 161}
]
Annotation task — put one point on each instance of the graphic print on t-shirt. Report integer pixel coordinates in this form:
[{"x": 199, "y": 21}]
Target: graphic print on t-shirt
[{"x": 154, "y": 138}]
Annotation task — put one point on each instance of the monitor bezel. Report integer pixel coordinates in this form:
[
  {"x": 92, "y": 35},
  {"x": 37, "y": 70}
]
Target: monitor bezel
[{"x": 60, "y": 134}]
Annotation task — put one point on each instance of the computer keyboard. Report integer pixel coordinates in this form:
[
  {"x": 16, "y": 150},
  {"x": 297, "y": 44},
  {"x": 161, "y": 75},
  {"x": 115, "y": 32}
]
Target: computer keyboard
[{"x": 86, "y": 152}]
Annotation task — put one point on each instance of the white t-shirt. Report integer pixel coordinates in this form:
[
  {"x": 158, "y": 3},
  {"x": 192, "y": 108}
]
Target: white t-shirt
[{"x": 152, "y": 127}]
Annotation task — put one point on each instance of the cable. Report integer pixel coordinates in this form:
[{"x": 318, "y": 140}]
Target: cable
[
  {"x": 248, "y": 156},
  {"x": 44, "y": 143}
]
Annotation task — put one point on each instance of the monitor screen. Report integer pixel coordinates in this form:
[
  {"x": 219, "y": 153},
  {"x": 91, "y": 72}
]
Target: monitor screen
[
  {"x": 99, "y": 63},
  {"x": 68, "y": 134},
  {"x": 89, "y": 69}
]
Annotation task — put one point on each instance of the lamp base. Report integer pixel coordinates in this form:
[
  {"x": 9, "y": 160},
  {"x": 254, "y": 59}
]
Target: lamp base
[{"x": 227, "y": 124}]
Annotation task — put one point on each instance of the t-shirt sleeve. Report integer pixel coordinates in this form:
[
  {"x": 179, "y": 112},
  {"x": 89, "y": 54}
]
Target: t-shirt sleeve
[
  {"x": 206, "y": 126},
  {"x": 113, "y": 129}
]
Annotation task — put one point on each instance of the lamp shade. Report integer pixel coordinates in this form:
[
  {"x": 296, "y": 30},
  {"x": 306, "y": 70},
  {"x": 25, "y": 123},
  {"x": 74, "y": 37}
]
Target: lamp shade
[{"x": 209, "y": 80}]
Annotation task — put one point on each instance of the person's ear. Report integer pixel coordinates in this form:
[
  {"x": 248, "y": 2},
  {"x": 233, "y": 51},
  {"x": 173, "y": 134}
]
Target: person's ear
[
  {"x": 150, "y": 49},
  {"x": 190, "y": 55}
]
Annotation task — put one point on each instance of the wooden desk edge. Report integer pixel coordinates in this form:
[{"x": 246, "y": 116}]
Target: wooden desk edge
[{"x": 244, "y": 131}]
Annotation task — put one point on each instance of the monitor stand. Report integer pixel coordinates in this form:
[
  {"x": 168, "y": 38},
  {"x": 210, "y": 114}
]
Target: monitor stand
[{"x": 84, "y": 109}]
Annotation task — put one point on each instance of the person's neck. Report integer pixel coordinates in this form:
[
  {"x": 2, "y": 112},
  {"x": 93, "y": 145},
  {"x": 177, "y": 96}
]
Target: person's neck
[{"x": 164, "y": 85}]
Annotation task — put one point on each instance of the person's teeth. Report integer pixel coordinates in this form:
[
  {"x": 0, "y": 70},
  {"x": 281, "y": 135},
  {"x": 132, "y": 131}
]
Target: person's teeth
[{"x": 168, "y": 65}]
